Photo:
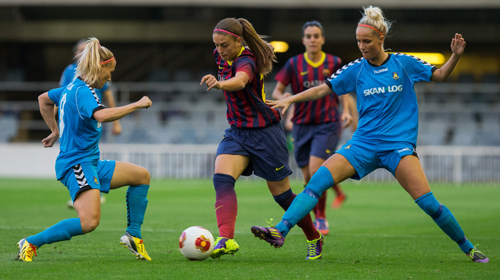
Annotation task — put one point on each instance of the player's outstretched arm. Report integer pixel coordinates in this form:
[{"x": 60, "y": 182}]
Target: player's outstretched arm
[
  {"x": 457, "y": 47},
  {"x": 113, "y": 114},
  {"x": 313, "y": 93},
  {"x": 236, "y": 83},
  {"x": 47, "y": 107}
]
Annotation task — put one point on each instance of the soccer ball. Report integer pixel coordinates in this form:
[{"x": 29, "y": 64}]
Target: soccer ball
[{"x": 196, "y": 243}]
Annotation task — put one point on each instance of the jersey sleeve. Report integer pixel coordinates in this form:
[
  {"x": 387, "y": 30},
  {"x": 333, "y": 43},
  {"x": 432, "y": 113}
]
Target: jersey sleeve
[
  {"x": 55, "y": 95},
  {"x": 419, "y": 70},
  {"x": 87, "y": 103},
  {"x": 285, "y": 74},
  {"x": 343, "y": 81},
  {"x": 247, "y": 65}
]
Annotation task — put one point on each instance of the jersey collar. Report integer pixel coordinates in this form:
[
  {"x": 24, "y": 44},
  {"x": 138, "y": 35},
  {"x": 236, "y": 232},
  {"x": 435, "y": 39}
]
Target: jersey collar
[
  {"x": 385, "y": 61},
  {"x": 315, "y": 64},
  {"x": 230, "y": 62}
]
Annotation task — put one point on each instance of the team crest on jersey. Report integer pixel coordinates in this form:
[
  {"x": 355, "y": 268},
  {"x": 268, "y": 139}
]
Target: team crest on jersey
[
  {"x": 326, "y": 72},
  {"x": 96, "y": 181},
  {"x": 395, "y": 75}
]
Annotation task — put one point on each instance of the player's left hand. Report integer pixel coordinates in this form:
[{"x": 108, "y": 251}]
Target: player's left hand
[
  {"x": 50, "y": 140},
  {"x": 210, "y": 81},
  {"x": 458, "y": 44},
  {"x": 282, "y": 103},
  {"x": 346, "y": 119}
]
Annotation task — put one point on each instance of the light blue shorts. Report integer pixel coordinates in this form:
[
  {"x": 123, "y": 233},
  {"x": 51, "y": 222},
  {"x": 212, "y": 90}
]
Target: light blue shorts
[
  {"x": 85, "y": 176},
  {"x": 365, "y": 157}
]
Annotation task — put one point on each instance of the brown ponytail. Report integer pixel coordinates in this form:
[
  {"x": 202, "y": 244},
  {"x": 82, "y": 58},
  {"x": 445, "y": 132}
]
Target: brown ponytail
[
  {"x": 264, "y": 54},
  {"x": 89, "y": 63}
]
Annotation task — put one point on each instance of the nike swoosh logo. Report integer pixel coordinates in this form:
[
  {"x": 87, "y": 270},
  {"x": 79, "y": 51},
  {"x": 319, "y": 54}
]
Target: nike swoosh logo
[
  {"x": 218, "y": 207},
  {"x": 303, "y": 73},
  {"x": 279, "y": 168}
]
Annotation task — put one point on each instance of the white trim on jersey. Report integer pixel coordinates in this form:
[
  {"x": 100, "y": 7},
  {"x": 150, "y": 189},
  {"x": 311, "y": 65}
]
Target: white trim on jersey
[
  {"x": 333, "y": 76},
  {"x": 416, "y": 58}
]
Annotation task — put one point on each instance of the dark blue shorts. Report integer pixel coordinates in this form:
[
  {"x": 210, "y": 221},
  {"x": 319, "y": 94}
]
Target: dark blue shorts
[
  {"x": 266, "y": 148},
  {"x": 366, "y": 156},
  {"x": 319, "y": 140},
  {"x": 86, "y": 176}
]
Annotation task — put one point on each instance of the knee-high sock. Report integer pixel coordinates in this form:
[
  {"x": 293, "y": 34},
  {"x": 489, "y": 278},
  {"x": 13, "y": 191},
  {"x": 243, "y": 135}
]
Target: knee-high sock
[
  {"x": 444, "y": 219},
  {"x": 136, "y": 208},
  {"x": 226, "y": 204},
  {"x": 61, "y": 231},
  {"x": 306, "y": 200},
  {"x": 285, "y": 200}
]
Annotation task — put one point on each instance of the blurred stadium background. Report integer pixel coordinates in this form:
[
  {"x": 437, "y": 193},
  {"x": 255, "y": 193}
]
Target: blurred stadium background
[{"x": 164, "y": 47}]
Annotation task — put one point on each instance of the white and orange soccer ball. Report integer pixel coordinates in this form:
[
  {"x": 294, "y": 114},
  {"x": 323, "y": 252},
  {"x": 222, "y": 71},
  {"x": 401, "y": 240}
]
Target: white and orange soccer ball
[{"x": 196, "y": 243}]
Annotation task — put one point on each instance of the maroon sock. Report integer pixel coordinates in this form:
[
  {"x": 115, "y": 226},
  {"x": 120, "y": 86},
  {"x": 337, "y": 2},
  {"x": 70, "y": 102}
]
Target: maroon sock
[
  {"x": 321, "y": 206},
  {"x": 226, "y": 204},
  {"x": 285, "y": 200}
]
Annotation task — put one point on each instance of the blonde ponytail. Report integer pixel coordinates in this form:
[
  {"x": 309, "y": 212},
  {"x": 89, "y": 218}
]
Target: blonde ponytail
[
  {"x": 89, "y": 63},
  {"x": 373, "y": 16}
]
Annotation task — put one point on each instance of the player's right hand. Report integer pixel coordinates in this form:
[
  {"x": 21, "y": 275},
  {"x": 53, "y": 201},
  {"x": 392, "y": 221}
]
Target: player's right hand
[
  {"x": 144, "y": 102},
  {"x": 50, "y": 140},
  {"x": 283, "y": 103}
]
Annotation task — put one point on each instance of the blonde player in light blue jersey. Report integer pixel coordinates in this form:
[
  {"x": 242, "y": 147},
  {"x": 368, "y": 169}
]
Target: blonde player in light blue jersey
[
  {"x": 386, "y": 136},
  {"x": 78, "y": 166}
]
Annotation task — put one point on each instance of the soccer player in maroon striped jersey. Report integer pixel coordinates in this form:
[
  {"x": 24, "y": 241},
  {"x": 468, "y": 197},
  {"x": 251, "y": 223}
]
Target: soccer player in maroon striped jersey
[
  {"x": 255, "y": 142},
  {"x": 316, "y": 128}
]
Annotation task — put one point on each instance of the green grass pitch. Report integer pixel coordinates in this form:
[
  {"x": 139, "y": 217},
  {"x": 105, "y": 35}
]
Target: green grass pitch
[{"x": 380, "y": 233}]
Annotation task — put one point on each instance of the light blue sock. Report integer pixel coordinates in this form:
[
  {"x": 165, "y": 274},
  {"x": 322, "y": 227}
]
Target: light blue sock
[
  {"x": 305, "y": 201},
  {"x": 444, "y": 219},
  {"x": 136, "y": 208},
  {"x": 61, "y": 231}
]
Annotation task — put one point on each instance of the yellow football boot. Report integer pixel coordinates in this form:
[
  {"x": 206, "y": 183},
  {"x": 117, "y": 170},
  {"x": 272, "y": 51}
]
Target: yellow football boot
[
  {"x": 135, "y": 245},
  {"x": 26, "y": 250}
]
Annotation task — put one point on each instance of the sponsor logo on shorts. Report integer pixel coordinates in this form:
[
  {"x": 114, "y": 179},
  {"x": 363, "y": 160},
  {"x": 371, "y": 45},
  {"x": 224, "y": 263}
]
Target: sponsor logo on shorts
[
  {"x": 328, "y": 151},
  {"x": 277, "y": 169},
  {"x": 98, "y": 124},
  {"x": 395, "y": 75},
  {"x": 405, "y": 149},
  {"x": 95, "y": 180}
]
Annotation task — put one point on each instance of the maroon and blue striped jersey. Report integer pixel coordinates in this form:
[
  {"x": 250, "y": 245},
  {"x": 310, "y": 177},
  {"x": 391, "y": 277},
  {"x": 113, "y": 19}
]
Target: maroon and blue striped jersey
[
  {"x": 246, "y": 108},
  {"x": 303, "y": 74}
]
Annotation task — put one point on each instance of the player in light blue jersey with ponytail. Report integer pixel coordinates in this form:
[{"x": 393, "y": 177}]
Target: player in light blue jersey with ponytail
[
  {"x": 386, "y": 136},
  {"x": 78, "y": 166}
]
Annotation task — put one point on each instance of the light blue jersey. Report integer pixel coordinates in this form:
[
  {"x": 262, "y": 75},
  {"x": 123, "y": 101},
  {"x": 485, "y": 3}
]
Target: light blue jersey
[
  {"x": 68, "y": 76},
  {"x": 79, "y": 132},
  {"x": 387, "y": 104}
]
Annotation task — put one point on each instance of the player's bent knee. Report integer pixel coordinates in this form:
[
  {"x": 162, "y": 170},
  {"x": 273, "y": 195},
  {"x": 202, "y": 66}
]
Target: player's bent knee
[
  {"x": 145, "y": 176},
  {"x": 89, "y": 225}
]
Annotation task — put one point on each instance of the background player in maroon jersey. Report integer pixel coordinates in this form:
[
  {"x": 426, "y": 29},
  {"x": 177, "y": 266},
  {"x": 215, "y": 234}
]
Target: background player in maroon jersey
[
  {"x": 255, "y": 142},
  {"x": 316, "y": 128}
]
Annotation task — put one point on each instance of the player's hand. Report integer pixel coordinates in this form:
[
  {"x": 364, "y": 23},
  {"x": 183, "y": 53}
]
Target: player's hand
[
  {"x": 50, "y": 140},
  {"x": 458, "y": 44},
  {"x": 210, "y": 81},
  {"x": 144, "y": 102},
  {"x": 283, "y": 103},
  {"x": 346, "y": 119},
  {"x": 117, "y": 128}
]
